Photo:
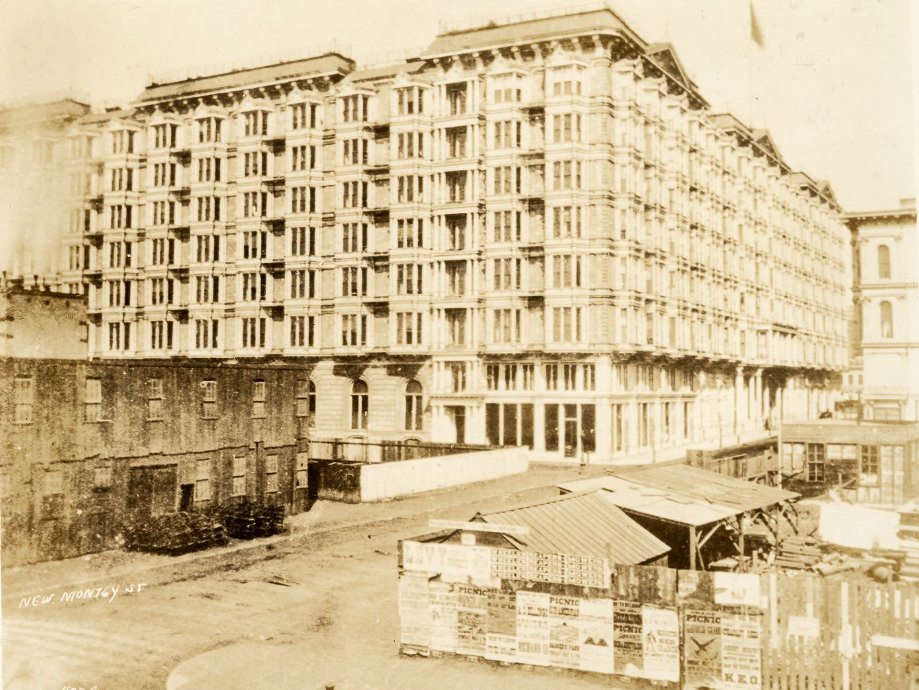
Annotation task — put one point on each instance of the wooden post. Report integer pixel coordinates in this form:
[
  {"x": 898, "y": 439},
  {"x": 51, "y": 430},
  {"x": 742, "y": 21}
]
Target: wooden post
[
  {"x": 692, "y": 547},
  {"x": 740, "y": 541}
]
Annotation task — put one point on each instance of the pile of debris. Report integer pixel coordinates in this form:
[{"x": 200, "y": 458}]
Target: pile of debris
[{"x": 798, "y": 553}]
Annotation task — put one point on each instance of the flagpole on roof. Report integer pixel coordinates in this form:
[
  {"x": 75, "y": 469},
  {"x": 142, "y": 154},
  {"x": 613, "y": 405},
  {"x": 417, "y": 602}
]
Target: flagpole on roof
[{"x": 756, "y": 40}]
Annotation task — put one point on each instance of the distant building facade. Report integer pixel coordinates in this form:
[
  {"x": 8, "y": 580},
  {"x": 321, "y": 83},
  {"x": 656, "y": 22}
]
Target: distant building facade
[
  {"x": 37, "y": 185},
  {"x": 868, "y": 462},
  {"x": 535, "y": 234},
  {"x": 886, "y": 332}
]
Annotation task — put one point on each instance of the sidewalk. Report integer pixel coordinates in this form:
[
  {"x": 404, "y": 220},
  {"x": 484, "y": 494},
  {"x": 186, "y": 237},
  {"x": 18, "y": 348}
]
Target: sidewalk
[{"x": 325, "y": 517}]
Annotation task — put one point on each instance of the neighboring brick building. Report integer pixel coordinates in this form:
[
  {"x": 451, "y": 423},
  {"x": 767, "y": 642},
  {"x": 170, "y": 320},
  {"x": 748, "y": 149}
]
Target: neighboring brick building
[
  {"x": 86, "y": 446},
  {"x": 37, "y": 321}
]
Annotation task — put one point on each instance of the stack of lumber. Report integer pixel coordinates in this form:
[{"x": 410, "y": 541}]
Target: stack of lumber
[{"x": 798, "y": 553}]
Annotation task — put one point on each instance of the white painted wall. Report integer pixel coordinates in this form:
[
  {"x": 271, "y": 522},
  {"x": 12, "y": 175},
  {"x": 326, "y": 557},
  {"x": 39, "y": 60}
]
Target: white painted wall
[{"x": 392, "y": 479}]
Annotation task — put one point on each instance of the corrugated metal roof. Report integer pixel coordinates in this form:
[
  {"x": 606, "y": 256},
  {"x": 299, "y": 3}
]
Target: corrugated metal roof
[
  {"x": 683, "y": 494},
  {"x": 583, "y": 524},
  {"x": 584, "y": 23},
  {"x": 330, "y": 63}
]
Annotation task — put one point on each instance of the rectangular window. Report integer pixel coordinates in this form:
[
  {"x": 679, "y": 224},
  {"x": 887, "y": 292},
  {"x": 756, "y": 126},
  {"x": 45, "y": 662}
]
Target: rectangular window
[
  {"x": 239, "y": 475},
  {"x": 491, "y": 376},
  {"x": 816, "y": 462},
  {"x": 408, "y": 328},
  {"x": 528, "y": 373},
  {"x": 566, "y": 324},
  {"x": 203, "y": 480},
  {"x": 354, "y": 281},
  {"x": 506, "y": 325},
  {"x": 271, "y": 474},
  {"x": 154, "y": 399},
  {"x": 93, "y": 401},
  {"x": 551, "y": 377},
  {"x": 303, "y": 241},
  {"x": 869, "y": 466},
  {"x": 23, "y": 391},
  {"x": 617, "y": 430},
  {"x": 53, "y": 483},
  {"x": 458, "y": 376},
  {"x": 258, "y": 399},
  {"x": 253, "y": 332},
  {"x": 302, "y": 470},
  {"x": 590, "y": 377},
  {"x": 209, "y": 399},
  {"x": 102, "y": 477},
  {"x": 456, "y": 98},
  {"x": 569, "y": 376},
  {"x": 206, "y": 334},
  {"x": 551, "y": 429}
]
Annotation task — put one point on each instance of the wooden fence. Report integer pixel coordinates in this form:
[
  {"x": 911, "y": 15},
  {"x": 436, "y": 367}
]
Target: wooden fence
[
  {"x": 840, "y": 633},
  {"x": 775, "y": 631}
]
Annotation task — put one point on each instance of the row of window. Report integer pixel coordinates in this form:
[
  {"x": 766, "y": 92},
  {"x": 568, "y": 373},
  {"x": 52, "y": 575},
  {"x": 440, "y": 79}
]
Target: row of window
[
  {"x": 53, "y": 480},
  {"x": 571, "y": 427},
  {"x": 564, "y": 325},
  {"x": 305, "y": 401},
  {"x": 875, "y": 464},
  {"x": 211, "y": 129}
]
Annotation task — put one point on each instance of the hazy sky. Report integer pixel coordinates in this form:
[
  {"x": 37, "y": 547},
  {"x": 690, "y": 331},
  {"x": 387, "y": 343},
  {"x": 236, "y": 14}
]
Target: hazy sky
[{"x": 833, "y": 82}]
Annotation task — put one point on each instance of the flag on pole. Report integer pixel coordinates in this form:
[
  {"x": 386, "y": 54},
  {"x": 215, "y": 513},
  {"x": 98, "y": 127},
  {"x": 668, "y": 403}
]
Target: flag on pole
[{"x": 756, "y": 32}]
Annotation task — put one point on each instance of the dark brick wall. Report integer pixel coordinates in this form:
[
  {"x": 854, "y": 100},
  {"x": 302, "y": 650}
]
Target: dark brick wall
[{"x": 48, "y": 515}]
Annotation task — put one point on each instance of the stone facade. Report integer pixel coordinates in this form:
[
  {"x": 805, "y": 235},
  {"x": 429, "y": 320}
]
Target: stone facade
[{"x": 535, "y": 233}]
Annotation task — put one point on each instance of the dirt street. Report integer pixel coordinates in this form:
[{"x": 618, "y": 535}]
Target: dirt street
[{"x": 317, "y": 610}]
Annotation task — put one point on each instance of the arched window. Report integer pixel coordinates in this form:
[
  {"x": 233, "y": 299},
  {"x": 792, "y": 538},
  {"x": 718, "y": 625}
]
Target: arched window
[
  {"x": 311, "y": 401},
  {"x": 413, "y": 406},
  {"x": 886, "y": 319},
  {"x": 306, "y": 400},
  {"x": 360, "y": 405},
  {"x": 883, "y": 262}
]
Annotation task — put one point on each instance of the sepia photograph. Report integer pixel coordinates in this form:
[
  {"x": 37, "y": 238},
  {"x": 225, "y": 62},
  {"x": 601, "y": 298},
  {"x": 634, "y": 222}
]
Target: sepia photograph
[{"x": 486, "y": 345}]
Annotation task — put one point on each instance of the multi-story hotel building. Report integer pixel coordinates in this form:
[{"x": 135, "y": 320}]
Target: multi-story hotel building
[
  {"x": 535, "y": 233},
  {"x": 885, "y": 377}
]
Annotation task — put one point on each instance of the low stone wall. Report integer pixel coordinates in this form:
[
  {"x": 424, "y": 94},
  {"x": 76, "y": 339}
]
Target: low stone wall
[{"x": 391, "y": 479}]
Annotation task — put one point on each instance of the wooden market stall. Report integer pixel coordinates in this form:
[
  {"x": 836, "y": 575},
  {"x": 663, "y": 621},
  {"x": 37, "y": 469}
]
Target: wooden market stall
[{"x": 701, "y": 515}]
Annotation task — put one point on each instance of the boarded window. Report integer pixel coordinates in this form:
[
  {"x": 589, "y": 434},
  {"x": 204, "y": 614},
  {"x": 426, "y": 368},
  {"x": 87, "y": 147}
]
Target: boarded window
[
  {"x": 53, "y": 483},
  {"x": 209, "y": 399},
  {"x": 155, "y": 399},
  {"x": 271, "y": 474},
  {"x": 102, "y": 477},
  {"x": 93, "y": 400},
  {"x": 302, "y": 469},
  {"x": 203, "y": 480},
  {"x": 258, "y": 399},
  {"x": 23, "y": 393},
  {"x": 239, "y": 475}
]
